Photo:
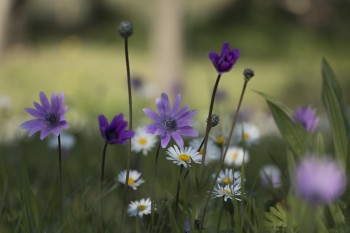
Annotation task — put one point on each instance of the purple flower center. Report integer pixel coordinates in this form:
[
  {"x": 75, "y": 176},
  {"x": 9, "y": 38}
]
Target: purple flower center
[
  {"x": 52, "y": 118},
  {"x": 111, "y": 134},
  {"x": 169, "y": 123}
]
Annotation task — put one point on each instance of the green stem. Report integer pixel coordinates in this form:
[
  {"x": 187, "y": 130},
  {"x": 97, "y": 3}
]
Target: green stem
[
  {"x": 154, "y": 186},
  {"x": 208, "y": 124},
  {"x": 130, "y": 128},
  {"x": 60, "y": 176},
  {"x": 224, "y": 154},
  {"x": 102, "y": 173},
  {"x": 220, "y": 215},
  {"x": 178, "y": 193}
]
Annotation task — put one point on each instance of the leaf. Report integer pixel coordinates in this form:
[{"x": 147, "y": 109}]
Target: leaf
[
  {"x": 333, "y": 103},
  {"x": 276, "y": 218},
  {"x": 292, "y": 132}
]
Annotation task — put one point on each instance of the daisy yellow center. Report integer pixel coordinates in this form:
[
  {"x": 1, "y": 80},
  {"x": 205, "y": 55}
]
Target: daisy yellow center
[
  {"x": 142, "y": 141},
  {"x": 201, "y": 151},
  {"x": 141, "y": 207},
  {"x": 226, "y": 180},
  {"x": 131, "y": 181},
  {"x": 227, "y": 192},
  {"x": 245, "y": 136},
  {"x": 220, "y": 140},
  {"x": 234, "y": 155},
  {"x": 184, "y": 157}
]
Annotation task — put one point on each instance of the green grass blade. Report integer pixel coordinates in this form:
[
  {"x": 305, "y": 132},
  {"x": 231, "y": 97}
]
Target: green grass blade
[
  {"x": 333, "y": 103},
  {"x": 292, "y": 133}
]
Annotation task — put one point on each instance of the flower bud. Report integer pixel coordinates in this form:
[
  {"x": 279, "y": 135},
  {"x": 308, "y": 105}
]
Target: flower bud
[
  {"x": 125, "y": 29},
  {"x": 215, "y": 119},
  {"x": 248, "y": 73}
]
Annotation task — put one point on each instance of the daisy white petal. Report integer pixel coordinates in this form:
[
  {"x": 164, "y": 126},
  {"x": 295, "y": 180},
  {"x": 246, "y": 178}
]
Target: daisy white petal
[{"x": 134, "y": 180}]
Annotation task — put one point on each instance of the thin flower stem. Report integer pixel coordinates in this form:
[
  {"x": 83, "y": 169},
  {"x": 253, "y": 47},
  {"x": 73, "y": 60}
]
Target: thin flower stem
[
  {"x": 208, "y": 124},
  {"x": 60, "y": 176},
  {"x": 130, "y": 128},
  {"x": 224, "y": 154},
  {"x": 178, "y": 193},
  {"x": 154, "y": 186},
  {"x": 103, "y": 173},
  {"x": 220, "y": 215}
]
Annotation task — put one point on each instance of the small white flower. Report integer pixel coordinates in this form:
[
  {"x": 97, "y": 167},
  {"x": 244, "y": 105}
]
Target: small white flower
[
  {"x": 183, "y": 156},
  {"x": 213, "y": 151},
  {"x": 228, "y": 177},
  {"x": 134, "y": 180},
  {"x": 270, "y": 176},
  {"x": 227, "y": 191},
  {"x": 142, "y": 141},
  {"x": 247, "y": 132},
  {"x": 236, "y": 156},
  {"x": 140, "y": 208}
]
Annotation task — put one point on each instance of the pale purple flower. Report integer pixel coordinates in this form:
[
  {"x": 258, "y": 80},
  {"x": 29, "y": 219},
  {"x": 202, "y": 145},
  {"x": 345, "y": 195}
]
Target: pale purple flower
[
  {"x": 171, "y": 122},
  {"x": 116, "y": 132},
  {"x": 49, "y": 117},
  {"x": 226, "y": 60},
  {"x": 307, "y": 117},
  {"x": 319, "y": 180}
]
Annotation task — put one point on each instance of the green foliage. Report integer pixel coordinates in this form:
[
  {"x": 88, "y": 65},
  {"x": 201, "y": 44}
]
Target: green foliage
[
  {"x": 276, "y": 218},
  {"x": 293, "y": 133}
]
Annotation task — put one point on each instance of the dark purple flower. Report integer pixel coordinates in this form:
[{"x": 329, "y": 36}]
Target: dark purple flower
[
  {"x": 319, "y": 180},
  {"x": 115, "y": 133},
  {"x": 171, "y": 122},
  {"x": 49, "y": 117},
  {"x": 307, "y": 117},
  {"x": 224, "y": 62}
]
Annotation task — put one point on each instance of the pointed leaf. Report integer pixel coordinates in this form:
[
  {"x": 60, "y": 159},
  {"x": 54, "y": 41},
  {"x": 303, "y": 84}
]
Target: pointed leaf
[
  {"x": 333, "y": 103},
  {"x": 292, "y": 133}
]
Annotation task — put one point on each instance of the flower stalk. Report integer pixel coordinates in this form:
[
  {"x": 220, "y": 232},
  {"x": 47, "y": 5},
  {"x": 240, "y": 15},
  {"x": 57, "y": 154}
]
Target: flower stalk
[{"x": 225, "y": 151}]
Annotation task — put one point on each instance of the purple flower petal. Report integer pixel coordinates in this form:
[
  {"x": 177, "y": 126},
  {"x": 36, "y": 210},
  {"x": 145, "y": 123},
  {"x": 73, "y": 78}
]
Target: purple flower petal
[
  {"x": 178, "y": 139},
  {"x": 115, "y": 132},
  {"x": 188, "y": 131},
  {"x": 165, "y": 140},
  {"x": 49, "y": 116},
  {"x": 171, "y": 121},
  {"x": 154, "y": 116},
  {"x": 35, "y": 113},
  {"x": 44, "y": 101}
]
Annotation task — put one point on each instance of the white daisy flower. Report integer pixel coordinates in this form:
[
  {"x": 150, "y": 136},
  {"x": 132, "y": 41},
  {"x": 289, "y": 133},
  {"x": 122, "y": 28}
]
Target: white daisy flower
[
  {"x": 247, "y": 132},
  {"x": 227, "y": 191},
  {"x": 142, "y": 141},
  {"x": 140, "y": 208},
  {"x": 235, "y": 156},
  {"x": 228, "y": 177},
  {"x": 270, "y": 176},
  {"x": 183, "y": 156},
  {"x": 213, "y": 151},
  {"x": 134, "y": 180}
]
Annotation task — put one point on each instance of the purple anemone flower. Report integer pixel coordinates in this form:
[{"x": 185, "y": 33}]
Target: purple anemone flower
[
  {"x": 49, "y": 117},
  {"x": 319, "y": 180},
  {"x": 171, "y": 122},
  {"x": 115, "y": 133},
  {"x": 225, "y": 61},
  {"x": 307, "y": 117}
]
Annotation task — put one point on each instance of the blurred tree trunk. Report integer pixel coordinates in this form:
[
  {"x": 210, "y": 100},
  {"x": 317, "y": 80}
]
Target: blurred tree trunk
[
  {"x": 167, "y": 39},
  {"x": 5, "y": 8}
]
